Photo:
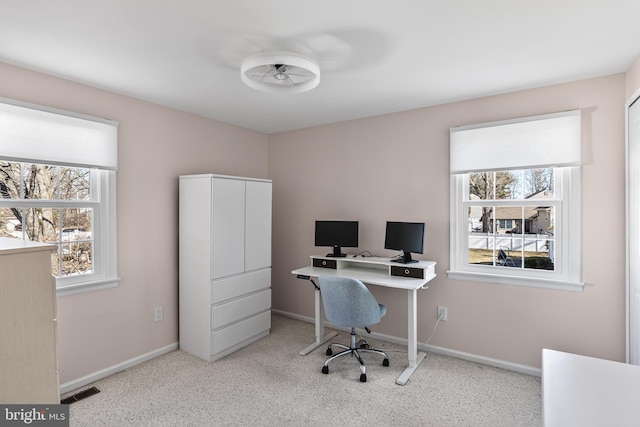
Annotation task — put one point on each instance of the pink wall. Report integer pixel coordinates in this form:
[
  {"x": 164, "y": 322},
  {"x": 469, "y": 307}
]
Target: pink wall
[
  {"x": 396, "y": 167},
  {"x": 100, "y": 329},
  {"x": 387, "y": 167}
]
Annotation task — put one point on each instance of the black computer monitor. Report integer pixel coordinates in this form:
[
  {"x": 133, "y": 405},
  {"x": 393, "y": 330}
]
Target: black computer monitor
[
  {"x": 406, "y": 237},
  {"x": 337, "y": 234}
]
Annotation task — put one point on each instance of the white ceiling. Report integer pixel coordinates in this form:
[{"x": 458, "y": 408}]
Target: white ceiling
[{"x": 376, "y": 56}]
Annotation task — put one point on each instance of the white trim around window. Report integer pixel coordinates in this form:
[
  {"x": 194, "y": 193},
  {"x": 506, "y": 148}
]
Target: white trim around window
[
  {"x": 483, "y": 140},
  {"x": 568, "y": 247},
  {"x": 105, "y": 273}
]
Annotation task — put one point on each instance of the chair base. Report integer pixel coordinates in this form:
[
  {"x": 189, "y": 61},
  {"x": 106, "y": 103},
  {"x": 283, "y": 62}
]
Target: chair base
[{"x": 353, "y": 350}]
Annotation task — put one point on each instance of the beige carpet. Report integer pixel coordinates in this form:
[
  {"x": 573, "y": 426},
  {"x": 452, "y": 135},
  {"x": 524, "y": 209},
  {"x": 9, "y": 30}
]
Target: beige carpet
[{"x": 268, "y": 383}]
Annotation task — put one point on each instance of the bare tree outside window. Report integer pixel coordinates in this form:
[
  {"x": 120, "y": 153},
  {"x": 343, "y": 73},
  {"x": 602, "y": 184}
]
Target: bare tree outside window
[
  {"x": 538, "y": 180},
  {"x": 511, "y": 218},
  {"x": 490, "y": 186},
  {"x": 50, "y": 204}
]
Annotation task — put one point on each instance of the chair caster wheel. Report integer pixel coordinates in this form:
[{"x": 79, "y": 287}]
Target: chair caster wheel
[
  {"x": 385, "y": 362},
  {"x": 329, "y": 352},
  {"x": 362, "y": 344},
  {"x": 325, "y": 369},
  {"x": 363, "y": 378}
]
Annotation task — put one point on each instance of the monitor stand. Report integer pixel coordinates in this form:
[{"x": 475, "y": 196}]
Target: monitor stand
[
  {"x": 337, "y": 253},
  {"x": 406, "y": 258}
]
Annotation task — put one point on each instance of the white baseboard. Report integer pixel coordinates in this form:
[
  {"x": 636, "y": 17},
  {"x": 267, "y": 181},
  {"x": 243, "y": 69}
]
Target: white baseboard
[
  {"x": 509, "y": 366},
  {"x": 483, "y": 360},
  {"x": 88, "y": 379}
]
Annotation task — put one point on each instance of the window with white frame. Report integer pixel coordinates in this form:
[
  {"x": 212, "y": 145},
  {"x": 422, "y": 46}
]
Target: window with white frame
[
  {"x": 515, "y": 201},
  {"x": 57, "y": 186}
]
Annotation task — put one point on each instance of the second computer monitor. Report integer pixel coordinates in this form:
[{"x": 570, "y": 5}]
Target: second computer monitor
[{"x": 407, "y": 237}]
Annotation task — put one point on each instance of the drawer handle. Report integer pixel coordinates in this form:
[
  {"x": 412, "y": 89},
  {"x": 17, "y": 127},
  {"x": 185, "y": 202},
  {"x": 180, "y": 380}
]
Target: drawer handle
[
  {"x": 406, "y": 271},
  {"x": 324, "y": 262}
]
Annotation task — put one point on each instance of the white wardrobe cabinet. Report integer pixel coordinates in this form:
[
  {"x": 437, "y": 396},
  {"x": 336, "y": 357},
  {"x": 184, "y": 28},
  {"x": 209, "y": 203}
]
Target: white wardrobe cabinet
[{"x": 225, "y": 263}]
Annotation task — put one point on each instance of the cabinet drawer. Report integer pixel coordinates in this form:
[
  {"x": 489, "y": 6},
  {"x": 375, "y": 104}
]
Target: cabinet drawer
[
  {"x": 240, "y": 308},
  {"x": 326, "y": 263},
  {"x": 233, "y": 287},
  {"x": 224, "y": 340},
  {"x": 417, "y": 273}
]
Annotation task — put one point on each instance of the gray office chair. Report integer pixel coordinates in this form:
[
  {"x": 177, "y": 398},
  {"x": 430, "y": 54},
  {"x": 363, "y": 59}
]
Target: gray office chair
[{"x": 348, "y": 303}]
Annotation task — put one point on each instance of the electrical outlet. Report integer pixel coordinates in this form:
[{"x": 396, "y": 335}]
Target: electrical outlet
[
  {"x": 442, "y": 313},
  {"x": 157, "y": 314}
]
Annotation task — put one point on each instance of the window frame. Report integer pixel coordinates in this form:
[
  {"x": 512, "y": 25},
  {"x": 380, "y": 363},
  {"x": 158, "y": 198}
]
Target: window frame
[
  {"x": 104, "y": 268},
  {"x": 568, "y": 247},
  {"x": 550, "y": 140},
  {"x": 44, "y": 135},
  {"x": 104, "y": 274}
]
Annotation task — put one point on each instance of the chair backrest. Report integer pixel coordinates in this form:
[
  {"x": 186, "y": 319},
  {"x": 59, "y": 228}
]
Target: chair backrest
[{"x": 348, "y": 302}]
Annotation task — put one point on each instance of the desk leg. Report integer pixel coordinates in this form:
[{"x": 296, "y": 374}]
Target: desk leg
[
  {"x": 415, "y": 358},
  {"x": 319, "y": 320}
]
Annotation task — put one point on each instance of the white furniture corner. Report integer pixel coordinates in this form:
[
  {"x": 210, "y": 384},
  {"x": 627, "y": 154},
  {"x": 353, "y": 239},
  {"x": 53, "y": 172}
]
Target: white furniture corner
[
  {"x": 28, "y": 359},
  {"x": 582, "y": 391},
  {"x": 225, "y": 263},
  {"x": 374, "y": 271}
]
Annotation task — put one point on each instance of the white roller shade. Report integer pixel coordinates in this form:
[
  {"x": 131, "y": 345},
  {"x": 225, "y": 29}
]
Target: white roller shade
[
  {"x": 33, "y": 133},
  {"x": 548, "y": 140}
]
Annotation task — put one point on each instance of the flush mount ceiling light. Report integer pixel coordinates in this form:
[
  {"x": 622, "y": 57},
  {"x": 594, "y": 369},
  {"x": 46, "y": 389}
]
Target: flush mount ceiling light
[{"x": 283, "y": 72}]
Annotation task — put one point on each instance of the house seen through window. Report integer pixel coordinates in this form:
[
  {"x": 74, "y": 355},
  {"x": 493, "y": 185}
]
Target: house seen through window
[{"x": 511, "y": 218}]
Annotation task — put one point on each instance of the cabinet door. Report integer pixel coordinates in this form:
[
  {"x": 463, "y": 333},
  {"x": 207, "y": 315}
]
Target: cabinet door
[
  {"x": 258, "y": 226},
  {"x": 228, "y": 227}
]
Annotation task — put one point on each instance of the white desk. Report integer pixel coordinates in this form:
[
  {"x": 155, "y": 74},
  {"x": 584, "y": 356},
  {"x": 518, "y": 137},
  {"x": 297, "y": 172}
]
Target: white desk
[
  {"x": 585, "y": 391},
  {"x": 374, "y": 271}
]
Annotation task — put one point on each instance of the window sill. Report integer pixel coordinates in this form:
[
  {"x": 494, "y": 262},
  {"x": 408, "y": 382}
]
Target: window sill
[
  {"x": 94, "y": 285},
  {"x": 503, "y": 279}
]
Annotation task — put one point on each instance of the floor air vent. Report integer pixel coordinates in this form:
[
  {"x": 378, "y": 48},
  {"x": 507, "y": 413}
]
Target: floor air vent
[{"x": 79, "y": 396}]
